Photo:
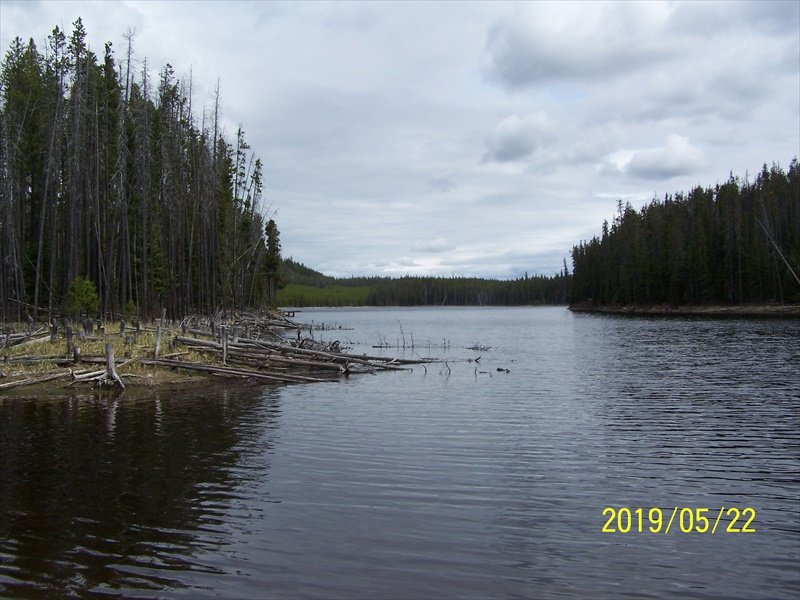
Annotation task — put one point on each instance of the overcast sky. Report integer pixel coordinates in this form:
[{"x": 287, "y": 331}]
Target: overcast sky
[{"x": 476, "y": 138}]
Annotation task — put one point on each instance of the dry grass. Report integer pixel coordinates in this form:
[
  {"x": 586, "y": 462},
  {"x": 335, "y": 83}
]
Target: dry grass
[{"x": 24, "y": 361}]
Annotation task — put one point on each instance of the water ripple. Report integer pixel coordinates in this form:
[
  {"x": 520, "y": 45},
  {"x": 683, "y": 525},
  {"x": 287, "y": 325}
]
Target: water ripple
[{"x": 466, "y": 482}]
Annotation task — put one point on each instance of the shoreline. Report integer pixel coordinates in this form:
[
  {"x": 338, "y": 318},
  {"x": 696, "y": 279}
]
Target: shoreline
[
  {"x": 759, "y": 311},
  {"x": 251, "y": 347}
]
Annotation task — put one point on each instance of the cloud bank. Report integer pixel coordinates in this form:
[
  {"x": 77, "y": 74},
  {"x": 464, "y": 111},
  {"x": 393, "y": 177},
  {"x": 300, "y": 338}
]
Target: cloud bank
[{"x": 480, "y": 138}]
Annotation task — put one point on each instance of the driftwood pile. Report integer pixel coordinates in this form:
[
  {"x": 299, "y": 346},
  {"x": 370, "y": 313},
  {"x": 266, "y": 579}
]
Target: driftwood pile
[
  {"x": 266, "y": 347},
  {"x": 271, "y": 347},
  {"x": 257, "y": 325}
]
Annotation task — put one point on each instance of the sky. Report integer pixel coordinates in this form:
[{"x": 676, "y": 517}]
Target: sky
[{"x": 467, "y": 139}]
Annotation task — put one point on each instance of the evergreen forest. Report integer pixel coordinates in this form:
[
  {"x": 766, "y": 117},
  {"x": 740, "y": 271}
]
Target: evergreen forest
[
  {"x": 307, "y": 287},
  {"x": 731, "y": 244},
  {"x": 110, "y": 178}
]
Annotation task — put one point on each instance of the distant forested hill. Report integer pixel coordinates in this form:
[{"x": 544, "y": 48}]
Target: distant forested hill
[
  {"x": 296, "y": 272},
  {"x": 306, "y": 287},
  {"x": 110, "y": 178},
  {"x": 735, "y": 243}
]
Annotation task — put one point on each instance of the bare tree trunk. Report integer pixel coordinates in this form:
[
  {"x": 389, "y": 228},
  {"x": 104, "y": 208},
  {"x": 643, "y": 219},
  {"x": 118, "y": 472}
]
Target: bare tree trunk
[
  {"x": 111, "y": 369},
  {"x": 157, "y": 348},
  {"x": 43, "y": 209}
]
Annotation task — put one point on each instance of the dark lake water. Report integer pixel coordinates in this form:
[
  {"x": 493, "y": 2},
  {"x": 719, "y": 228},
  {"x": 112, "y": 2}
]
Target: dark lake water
[{"x": 455, "y": 481}]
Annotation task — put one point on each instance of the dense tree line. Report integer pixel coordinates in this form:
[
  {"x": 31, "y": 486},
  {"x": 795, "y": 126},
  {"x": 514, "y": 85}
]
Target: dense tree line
[
  {"x": 293, "y": 271},
  {"x": 108, "y": 176},
  {"x": 735, "y": 243},
  {"x": 469, "y": 291},
  {"x": 308, "y": 287}
]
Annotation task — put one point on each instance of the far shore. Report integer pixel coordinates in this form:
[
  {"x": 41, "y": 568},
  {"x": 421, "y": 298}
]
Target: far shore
[{"x": 782, "y": 311}]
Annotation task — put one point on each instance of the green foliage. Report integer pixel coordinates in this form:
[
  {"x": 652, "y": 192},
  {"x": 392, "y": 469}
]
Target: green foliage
[
  {"x": 295, "y": 294},
  {"x": 310, "y": 288},
  {"x": 131, "y": 310},
  {"x": 469, "y": 291},
  {"x": 718, "y": 245},
  {"x": 296, "y": 272},
  {"x": 81, "y": 297},
  {"x": 110, "y": 176},
  {"x": 273, "y": 247},
  {"x": 273, "y": 261}
]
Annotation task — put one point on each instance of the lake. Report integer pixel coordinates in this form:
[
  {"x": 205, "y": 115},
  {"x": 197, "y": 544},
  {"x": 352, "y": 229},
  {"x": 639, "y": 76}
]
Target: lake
[{"x": 459, "y": 479}]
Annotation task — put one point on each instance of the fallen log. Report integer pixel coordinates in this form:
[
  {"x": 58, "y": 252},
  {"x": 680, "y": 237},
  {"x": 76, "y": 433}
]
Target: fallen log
[
  {"x": 25, "y": 342},
  {"x": 100, "y": 376},
  {"x": 266, "y": 347},
  {"x": 312, "y": 364},
  {"x": 380, "y": 363},
  {"x": 232, "y": 372},
  {"x": 86, "y": 376},
  {"x": 283, "y": 364},
  {"x": 266, "y": 356},
  {"x": 32, "y": 380},
  {"x": 37, "y": 359}
]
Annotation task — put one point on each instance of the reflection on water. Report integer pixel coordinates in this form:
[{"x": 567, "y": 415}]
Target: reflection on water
[
  {"x": 114, "y": 493},
  {"x": 456, "y": 482}
]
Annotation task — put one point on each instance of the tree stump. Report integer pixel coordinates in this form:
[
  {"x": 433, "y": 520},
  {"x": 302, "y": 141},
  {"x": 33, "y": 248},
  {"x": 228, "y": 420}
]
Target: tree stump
[
  {"x": 111, "y": 370},
  {"x": 158, "y": 342}
]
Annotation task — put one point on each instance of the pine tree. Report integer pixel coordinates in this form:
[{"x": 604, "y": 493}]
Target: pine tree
[
  {"x": 106, "y": 178},
  {"x": 273, "y": 260}
]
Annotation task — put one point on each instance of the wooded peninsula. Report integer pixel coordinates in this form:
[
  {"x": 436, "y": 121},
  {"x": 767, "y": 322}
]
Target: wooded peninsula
[{"x": 735, "y": 243}]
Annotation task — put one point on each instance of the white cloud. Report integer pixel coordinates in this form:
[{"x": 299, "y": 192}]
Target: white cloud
[{"x": 677, "y": 156}]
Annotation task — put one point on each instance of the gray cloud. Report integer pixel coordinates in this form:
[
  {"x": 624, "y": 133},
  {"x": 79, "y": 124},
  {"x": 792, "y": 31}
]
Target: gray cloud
[
  {"x": 441, "y": 184},
  {"x": 768, "y": 17},
  {"x": 434, "y": 245},
  {"x": 569, "y": 41},
  {"x": 516, "y": 137},
  {"x": 372, "y": 119},
  {"x": 676, "y": 157}
]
